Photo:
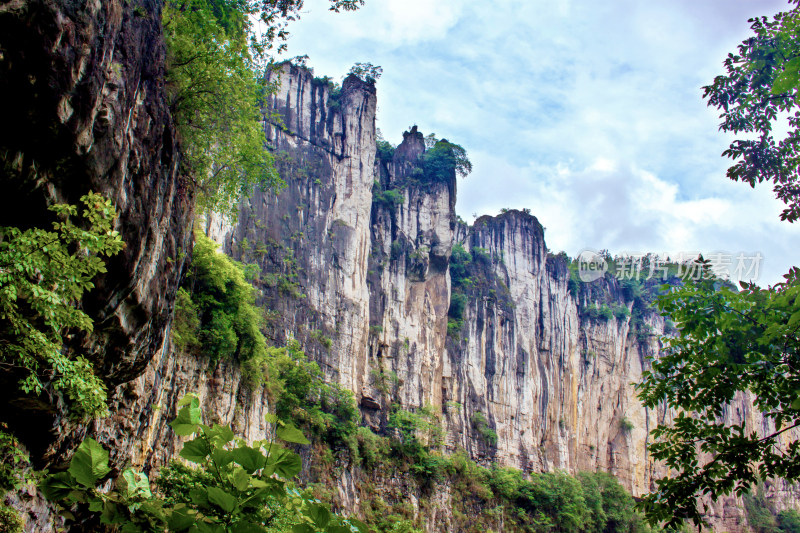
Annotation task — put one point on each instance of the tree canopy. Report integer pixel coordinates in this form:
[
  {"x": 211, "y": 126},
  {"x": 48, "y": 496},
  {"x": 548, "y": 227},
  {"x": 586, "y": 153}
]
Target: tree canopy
[
  {"x": 728, "y": 343},
  {"x": 735, "y": 347},
  {"x": 43, "y": 275},
  {"x": 759, "y": 89},
  {"x": 216, "y": 61}
]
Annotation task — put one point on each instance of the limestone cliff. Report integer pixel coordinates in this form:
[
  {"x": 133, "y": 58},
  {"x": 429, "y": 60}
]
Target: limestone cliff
[
  {"x": 355, "y": 258},
  {"x": 84, "y": 108},
  {"x": 340, "y": 262}
]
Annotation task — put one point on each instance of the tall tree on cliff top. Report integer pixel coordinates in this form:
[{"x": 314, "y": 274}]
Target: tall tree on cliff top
[
  {"x": 732, "y": 342},
  {"x": 216, "y": 60}
]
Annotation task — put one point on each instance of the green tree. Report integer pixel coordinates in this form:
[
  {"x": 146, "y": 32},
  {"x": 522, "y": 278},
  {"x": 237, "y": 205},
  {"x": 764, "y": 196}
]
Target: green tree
[
  {"x": 728, "y": 342},
  {"x": 444, "y": 160},
  {"x": 761, "y": 85},
  {"x": 43, "y": 275},
  {"x": 216, "y": 313},
  {"x": 366, "y": 71},
  {"x": 214, "y": 96},
  {"x": 731, "y": 342}
]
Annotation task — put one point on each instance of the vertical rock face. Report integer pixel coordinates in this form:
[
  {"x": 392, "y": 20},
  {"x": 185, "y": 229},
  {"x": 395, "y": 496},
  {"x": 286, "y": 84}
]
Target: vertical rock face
[
  {"x": 312, "y": 240},
  {"x": 354, "y": 257},
  {"x": 554, "y": 384},
  {"x": 84, "y": 108}
]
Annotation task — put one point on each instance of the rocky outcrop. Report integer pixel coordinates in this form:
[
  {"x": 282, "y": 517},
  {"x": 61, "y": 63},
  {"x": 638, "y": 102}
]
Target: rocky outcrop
[
  {"x": 355, "y": 257},
  {"x": 84, "y": 109},
  {"x": 343, "y": 260}
]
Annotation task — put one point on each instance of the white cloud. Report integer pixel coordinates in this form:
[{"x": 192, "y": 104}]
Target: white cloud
[
  {"x": 393, "y": 23},
  {"x": 616, "y": 206}
]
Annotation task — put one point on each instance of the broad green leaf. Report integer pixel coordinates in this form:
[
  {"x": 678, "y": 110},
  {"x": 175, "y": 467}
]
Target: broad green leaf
[
  {"x": 206, "y": 527},
  {"x": 56, "y": 487},
  {"x": 290, "y": 433},
  {"x": 336, "y": 528},
  {"x": 288, "y": 465},
  {"x": 89, "y": 464},
  {"x": 199, "y": 497},
  {"x": 359, "y": 525},
  {"x": 190, "y": 399},
  {"x": 221, "y": 457},
  {"x": 270, "y": 418},
  {"x": 112, "y": 514},
  {"x": 180, "y": 518},
  {"x": 189, "y": 418},
  {"x": 303, "y": 528},
  {"x": 95, "y": 505},
  {"x": 248, "y": 458},
  {"x": 796, "y": 404},
  {"x": 222, "y": 499},
  {"x": 241, "y": 479},
  {"x": 247, "y": 527},
  {"x": 134, "y": 484},
  {"x": 319, "y": 514},
  {"x": 195, "y": 450},
  {"x": 222, "y": 433}
]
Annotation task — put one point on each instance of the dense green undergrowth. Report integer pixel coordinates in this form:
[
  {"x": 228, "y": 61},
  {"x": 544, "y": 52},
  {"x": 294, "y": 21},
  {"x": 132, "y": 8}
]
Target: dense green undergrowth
[{"x": 763, "y": 518}]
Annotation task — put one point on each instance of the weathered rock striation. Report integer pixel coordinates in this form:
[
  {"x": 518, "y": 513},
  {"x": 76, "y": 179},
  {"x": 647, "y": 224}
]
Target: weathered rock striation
[
  {"x": 84, "y": 109},
  {"x": 340, "y": 261},
  {"x": 355, "y": 254}
]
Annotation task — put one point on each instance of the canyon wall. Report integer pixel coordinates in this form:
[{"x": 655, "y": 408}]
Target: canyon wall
[
  {"x": 340, "y": 261},
  {"x": 84, "y": 109},
  {"x": 356, "y": 258}
]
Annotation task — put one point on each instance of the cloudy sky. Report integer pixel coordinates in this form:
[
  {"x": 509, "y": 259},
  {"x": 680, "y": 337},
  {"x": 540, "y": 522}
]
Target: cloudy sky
[{"x": 588, "y": 113}]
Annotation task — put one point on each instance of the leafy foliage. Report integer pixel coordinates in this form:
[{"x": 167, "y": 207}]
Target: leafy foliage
[
  {"x": 763, "y": 519},
  {"x": 301, "y": 394},
  {"x": 214, "y": 97},
  {"x": 729, "y": 342},
  {"x": 216, "y": 313},
  {"x": 43, "y": 275},
  {"x": 442, "y": 162},
  {"x": 385, "y": 149},
  {"x": 481, "y": 425},
  {"x": 216, "y": 61},
  {"x": 366, "y": 72},
  {"x": 761, "y": 83},
  {"x": 14, "y": 466},
  {"x": 233, "y": 487},
  {"x": 389, "y": 198}
]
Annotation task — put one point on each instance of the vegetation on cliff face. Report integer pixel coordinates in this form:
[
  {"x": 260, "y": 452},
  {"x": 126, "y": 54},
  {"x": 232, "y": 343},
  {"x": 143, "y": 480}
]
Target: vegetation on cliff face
[
  {"x": 214, "y": 96},
  {"x": 215, "y": 310},
  {"x": 409, "y": 448},
  {"x": 43, "y": 275},
  {"x": 233, "y": 487},
  {"x": 216, "y": 66},
  {"x": 14, "y": 473}
]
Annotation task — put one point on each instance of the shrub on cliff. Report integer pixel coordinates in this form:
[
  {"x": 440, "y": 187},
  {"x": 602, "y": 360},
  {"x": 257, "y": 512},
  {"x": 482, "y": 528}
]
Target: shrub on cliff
[
  {"x": 444, "y": 161},
  {"x": 232, "y": 487},
  {"x": 216, "y": 312},
  {"x": 43, "y": 275}
]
